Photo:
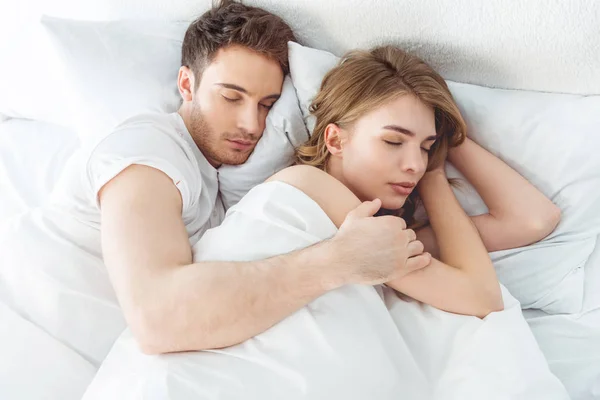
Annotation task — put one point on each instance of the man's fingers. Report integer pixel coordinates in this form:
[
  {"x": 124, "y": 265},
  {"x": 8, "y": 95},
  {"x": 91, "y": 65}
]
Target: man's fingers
[
  {"x": 411, "y": 235},
  {"x": 415, "y": 248},
  {"x": 418, "y": 262},
  {"x": 365, "y": 210},
  {"x": 402, "y": 222}
]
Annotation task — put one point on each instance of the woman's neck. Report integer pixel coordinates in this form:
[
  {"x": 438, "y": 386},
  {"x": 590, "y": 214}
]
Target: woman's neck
[{"x": 333, "y": 167}]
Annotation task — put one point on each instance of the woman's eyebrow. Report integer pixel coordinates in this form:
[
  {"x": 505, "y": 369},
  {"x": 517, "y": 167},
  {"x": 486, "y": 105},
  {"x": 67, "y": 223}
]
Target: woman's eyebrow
[{"x": 405, "y": 131}]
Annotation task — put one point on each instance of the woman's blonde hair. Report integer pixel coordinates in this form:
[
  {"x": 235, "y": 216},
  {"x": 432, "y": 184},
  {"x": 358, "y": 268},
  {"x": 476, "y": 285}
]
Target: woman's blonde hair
[{"x": 366, "y": 80}]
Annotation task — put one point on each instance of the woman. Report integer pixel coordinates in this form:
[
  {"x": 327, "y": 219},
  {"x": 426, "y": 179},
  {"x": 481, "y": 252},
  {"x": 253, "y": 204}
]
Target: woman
[{"x": 385, "y": 124}]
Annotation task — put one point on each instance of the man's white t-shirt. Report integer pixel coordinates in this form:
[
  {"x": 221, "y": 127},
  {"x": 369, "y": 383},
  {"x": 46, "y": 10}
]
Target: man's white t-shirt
[
  {"x": 62, "y": 284},
  {"x": 161, "y": 141}
]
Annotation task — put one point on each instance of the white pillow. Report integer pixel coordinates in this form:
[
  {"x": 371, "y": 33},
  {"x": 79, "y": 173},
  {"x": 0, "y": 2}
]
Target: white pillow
[
  {"x": 545, "y": 137},
  {"x": 33, "y": 84},
  {"x": 116, "y": 69},
  {"x": 122, "y": 68}
]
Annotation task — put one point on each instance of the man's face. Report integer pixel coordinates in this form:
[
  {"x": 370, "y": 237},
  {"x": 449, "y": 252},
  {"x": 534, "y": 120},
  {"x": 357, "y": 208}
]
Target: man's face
[{"x": 229, "y": 108}]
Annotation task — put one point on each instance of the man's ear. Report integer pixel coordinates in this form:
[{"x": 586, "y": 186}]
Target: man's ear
[
  {"x": 334, "y": 137},
  {"x": 185, "y": 83}
]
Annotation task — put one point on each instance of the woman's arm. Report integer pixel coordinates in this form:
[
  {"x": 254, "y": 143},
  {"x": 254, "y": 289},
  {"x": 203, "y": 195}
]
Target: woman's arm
[
  {"x": 519, "y": 214},
  {"x": 463, "y": 281},
  {"x": 467, "y": 286}
]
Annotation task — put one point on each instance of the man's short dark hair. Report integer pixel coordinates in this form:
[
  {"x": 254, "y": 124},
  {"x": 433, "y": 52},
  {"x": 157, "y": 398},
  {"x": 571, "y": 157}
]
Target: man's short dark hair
[{"x": 232, "y": 23}]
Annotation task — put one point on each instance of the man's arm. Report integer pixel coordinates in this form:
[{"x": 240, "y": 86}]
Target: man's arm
[{"x": 174, "y": 305}]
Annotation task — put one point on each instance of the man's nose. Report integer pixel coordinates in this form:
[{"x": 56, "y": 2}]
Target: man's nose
[{"x": 250, "y": 120}]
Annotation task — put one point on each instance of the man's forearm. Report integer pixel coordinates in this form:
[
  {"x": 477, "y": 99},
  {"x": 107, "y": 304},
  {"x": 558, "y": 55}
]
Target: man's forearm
[{"x": 218, "y": 304}]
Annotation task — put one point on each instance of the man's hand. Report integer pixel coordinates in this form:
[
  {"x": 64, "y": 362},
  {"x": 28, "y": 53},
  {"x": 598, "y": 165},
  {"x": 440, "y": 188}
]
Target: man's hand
[{"x": 374, "y": 250}]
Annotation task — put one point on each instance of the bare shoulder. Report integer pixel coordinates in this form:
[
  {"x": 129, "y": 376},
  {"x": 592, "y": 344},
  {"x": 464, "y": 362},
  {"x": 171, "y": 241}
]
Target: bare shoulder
[
  {"x": 303, "y": 175},
  {"x": 312, "y": 181},
  {"x": 328, "y": 192}
]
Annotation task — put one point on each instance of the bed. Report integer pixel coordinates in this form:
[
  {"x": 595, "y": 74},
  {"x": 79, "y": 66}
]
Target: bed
[{"x": 499, "y": 57}]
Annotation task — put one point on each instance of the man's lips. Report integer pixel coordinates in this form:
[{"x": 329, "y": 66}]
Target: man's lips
[{"x": 240, "y": 144}]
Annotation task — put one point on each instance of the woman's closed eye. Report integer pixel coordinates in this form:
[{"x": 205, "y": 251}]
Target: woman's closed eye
[{"x": 391, "y": 143}]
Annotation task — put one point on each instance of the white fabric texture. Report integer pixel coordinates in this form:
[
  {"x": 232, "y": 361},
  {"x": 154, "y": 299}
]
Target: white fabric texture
[
  {"x": 571, "y": 342},
  {"x": 51, "y": 267},
  {"x": 528, "y": 131},
  {"x": 90, "y": 76},
  {"x": 32, "y": 156},
  {"x": 571, "y": 345},
  {"x": 547, "y": 139},
  {"x": 43, "y": 95},
  {"x": 556, "y": 50},
  {"x": 52, "y": 275},
  {"x": 106, "y": 72},
  {"x": 161, "y": 141},
  {"x": 115, "y": 70},
  {"x": 541, "y": 45},
  {"x": 285, "y": 130},
  {"x": 35, "y": 366},
  {"x": 355, "y": 342}
]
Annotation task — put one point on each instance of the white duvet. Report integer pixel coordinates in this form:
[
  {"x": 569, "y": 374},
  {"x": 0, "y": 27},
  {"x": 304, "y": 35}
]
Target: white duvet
[{"x": 357, "y": 342}]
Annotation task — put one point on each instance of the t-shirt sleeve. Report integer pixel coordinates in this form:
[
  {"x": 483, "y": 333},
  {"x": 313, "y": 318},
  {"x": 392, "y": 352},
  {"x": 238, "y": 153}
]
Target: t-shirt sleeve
[{"x": 150, "y": 145}]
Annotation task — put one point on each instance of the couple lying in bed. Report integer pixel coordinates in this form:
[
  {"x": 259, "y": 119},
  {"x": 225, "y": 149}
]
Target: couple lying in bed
[{"x": 385, "y": 125}]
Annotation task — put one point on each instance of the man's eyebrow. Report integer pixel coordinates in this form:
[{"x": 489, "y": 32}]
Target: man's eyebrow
[
  {"x": 233, "y": 87},
  {"x": 405, "y": 131},
  {"x": 273, "y": 96}
]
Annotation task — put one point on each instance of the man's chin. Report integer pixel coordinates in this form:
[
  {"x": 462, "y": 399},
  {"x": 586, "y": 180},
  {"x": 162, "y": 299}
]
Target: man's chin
[{"x": 235, "y": 158}]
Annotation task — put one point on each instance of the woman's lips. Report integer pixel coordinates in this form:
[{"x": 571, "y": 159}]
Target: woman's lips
[{"x": 403, "y": 189}]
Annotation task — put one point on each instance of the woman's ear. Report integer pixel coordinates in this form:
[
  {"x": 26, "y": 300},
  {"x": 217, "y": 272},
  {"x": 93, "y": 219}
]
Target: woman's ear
[{"x": 333, "y": 139}]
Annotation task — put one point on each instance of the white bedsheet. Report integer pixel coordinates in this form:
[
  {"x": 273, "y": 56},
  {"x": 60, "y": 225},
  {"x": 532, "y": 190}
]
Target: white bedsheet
[
  {"x": 35, "y": 366},
  {"x": 571, "y": 343},
  {"x": 38, "y": 151},
  {"x": 32, "y": 156},
  {"x": 356, "y": 342}
]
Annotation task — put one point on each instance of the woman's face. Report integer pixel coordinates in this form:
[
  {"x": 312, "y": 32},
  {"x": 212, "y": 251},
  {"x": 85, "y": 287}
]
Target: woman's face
[{"x": 385, "y": 153}]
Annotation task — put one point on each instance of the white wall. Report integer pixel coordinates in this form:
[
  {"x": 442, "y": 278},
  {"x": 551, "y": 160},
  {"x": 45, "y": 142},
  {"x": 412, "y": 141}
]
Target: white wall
[{"x": 546, "y": 45}]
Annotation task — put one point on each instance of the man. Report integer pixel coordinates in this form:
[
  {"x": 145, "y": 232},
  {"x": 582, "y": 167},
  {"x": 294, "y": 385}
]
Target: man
[{"x": 156, "y": 182}]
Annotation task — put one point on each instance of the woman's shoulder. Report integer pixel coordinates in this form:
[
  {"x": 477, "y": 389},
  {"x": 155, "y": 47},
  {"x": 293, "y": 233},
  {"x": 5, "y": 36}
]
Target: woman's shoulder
[
  {"x": 304, "y": 175},
  {"x": 328, "y": 192}
]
